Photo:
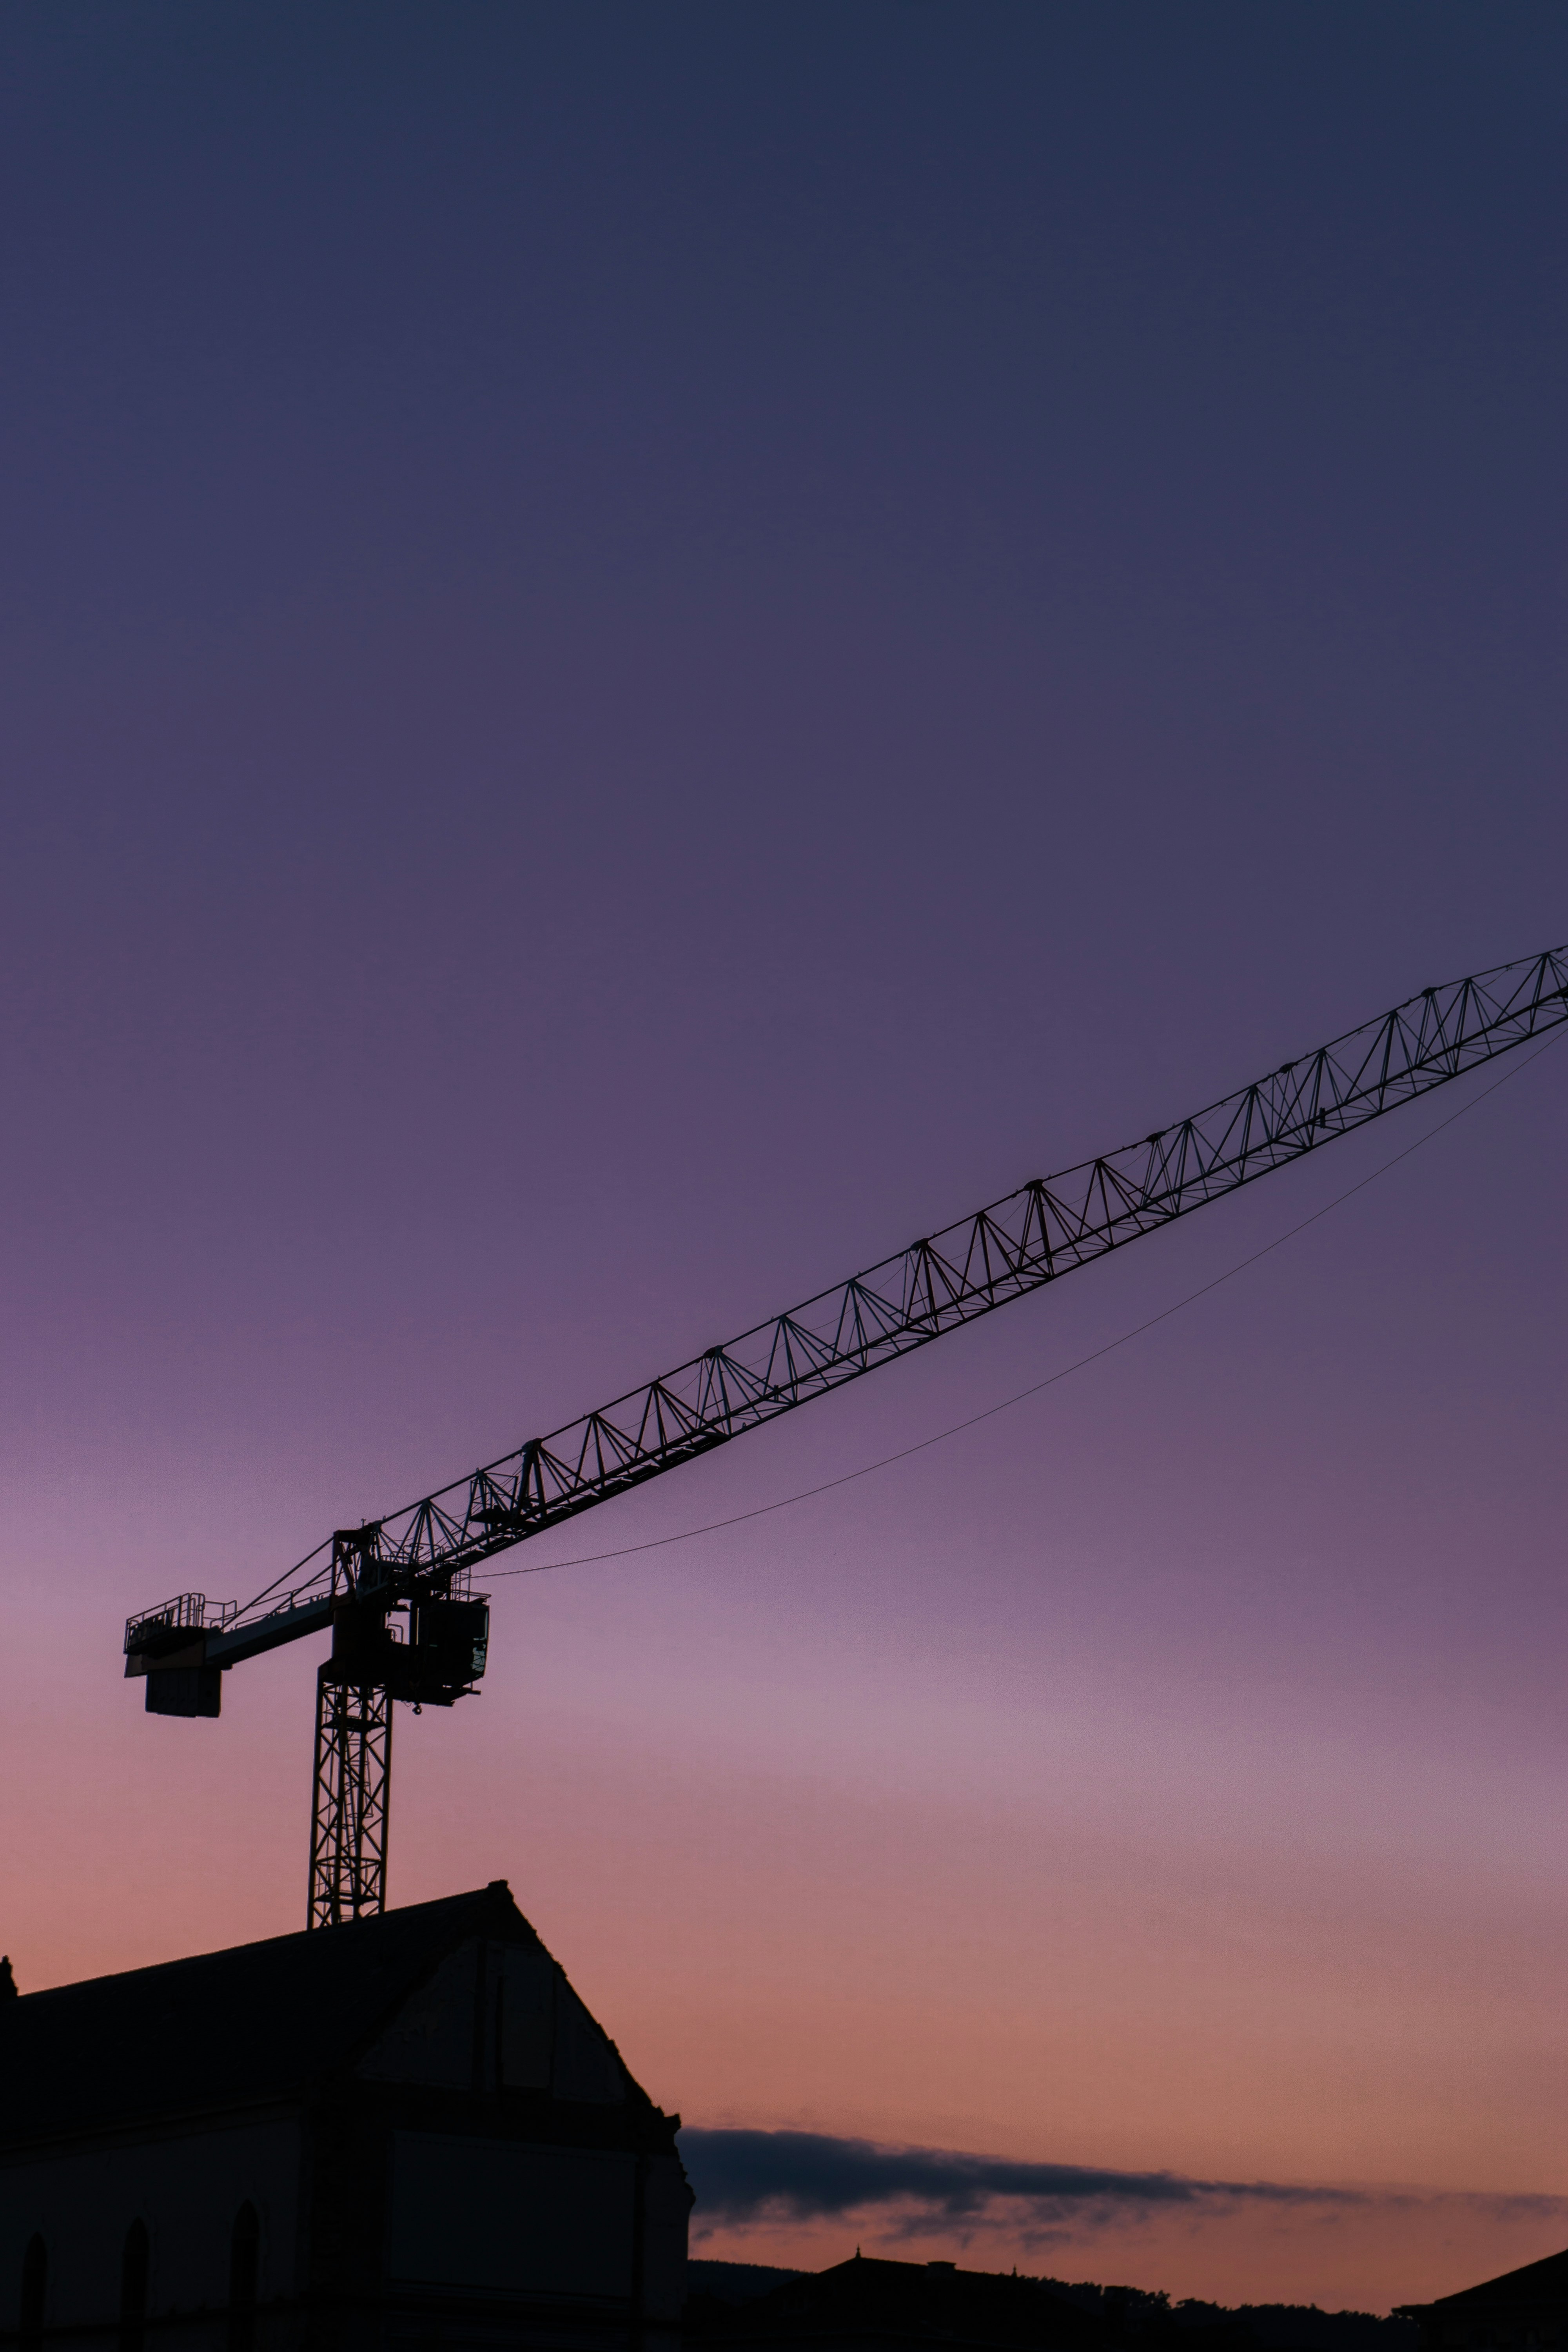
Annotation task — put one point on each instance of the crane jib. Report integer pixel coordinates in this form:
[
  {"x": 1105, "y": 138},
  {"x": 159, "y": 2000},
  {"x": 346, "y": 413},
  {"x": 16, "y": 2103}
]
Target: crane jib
[{"x": 1042, "y": 1231}]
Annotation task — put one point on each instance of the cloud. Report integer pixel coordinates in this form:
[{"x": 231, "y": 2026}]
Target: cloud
[
  {"x": 739, "y": 2176},
  {"x": 743, "y": 2177}
]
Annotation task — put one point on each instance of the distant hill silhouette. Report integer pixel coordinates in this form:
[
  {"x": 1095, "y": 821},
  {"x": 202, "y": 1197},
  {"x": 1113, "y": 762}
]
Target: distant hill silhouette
[{"x": 724, "y": 2300}]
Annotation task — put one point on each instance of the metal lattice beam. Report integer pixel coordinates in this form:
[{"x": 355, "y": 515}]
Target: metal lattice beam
[
  {"x": 352, "y": 1792},
  {"x": 1035, "y": 1236}
]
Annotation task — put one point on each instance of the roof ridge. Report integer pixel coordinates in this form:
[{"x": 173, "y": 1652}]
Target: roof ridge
[
  {"x": 261, "y": 2020},
  {"x": 300, "y": 1937}
]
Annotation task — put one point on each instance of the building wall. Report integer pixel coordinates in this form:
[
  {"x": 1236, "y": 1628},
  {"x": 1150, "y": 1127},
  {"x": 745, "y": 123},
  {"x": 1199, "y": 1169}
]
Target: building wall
[
  {"x": 508, "y": 2217},
  {"x": 498, "y": 2017},
  {"x": 1507, "y": 2321},
  {"x": 469, "y": 2222},
  {"x": 187, "y": 2187},
  {"x": 487, "y": 2175}
]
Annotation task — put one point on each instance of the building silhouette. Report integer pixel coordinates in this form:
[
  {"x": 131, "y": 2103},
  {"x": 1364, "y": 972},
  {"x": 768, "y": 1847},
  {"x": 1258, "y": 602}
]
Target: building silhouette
[
  {"x": 407, "y": 2131},
  {"x": 1524, "y": 2311}
]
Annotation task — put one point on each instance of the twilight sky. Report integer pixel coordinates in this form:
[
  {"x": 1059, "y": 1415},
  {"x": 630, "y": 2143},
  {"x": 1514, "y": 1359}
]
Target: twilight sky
[{"x": 643, "y": 651}]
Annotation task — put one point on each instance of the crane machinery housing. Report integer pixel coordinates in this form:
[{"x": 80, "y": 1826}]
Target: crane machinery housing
[{"x": 396, "y": 1594}]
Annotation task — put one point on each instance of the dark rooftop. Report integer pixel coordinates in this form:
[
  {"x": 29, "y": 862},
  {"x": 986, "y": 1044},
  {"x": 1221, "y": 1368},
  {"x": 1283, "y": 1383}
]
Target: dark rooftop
[
  {"x": 1545, "y": 2281},
  {"x": 258, "y": 2022}
]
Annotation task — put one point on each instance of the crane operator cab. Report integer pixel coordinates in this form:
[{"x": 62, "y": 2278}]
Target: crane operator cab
[
  {"x": 437, "y": 1662},
  {"x": 444, "y": 1657}
]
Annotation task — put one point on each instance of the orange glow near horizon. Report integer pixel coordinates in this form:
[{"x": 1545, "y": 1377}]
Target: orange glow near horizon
[{"x": 1097, "y": 1967}]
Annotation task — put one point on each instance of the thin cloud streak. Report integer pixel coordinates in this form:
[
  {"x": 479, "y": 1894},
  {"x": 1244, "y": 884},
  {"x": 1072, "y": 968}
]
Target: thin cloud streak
[{"x": 743, "y": 2177}]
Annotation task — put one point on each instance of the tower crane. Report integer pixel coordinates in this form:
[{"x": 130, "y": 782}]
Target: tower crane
[{"x": 396, "y": 1593}]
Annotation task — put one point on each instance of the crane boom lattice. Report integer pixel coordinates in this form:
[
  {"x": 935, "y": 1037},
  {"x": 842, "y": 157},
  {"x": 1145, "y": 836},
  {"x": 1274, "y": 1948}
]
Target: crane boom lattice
[{"x": 418, "y": 1561}]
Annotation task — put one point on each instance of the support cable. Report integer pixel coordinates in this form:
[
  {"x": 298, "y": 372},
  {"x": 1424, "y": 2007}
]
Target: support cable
[
  {"x": 940, "y": 1437},
  {"x": 1046, "y": 1228}
]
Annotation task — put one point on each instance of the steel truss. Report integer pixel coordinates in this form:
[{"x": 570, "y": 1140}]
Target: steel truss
[
  {"x": 352, "y": 1792},
  {"x": 1035, "y": 1236},
  {"x": 424, "y": 1552}
]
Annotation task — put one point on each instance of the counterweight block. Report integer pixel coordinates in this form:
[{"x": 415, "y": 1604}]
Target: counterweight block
[{"x": 184, "y": 1690}]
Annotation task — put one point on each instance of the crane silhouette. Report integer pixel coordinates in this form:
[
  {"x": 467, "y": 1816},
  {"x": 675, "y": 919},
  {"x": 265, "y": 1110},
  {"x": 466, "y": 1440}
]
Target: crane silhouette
[{"x": 396, "y": 1593}]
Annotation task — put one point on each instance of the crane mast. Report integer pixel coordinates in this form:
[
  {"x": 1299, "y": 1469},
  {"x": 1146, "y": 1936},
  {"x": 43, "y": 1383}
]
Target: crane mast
[{"x": 396, "y": 1593}]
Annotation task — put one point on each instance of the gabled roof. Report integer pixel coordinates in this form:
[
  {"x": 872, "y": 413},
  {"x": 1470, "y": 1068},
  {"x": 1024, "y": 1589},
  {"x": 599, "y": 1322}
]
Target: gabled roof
[
  {"x": 1545, "y": 2281},
  {"x": 260, "y": 2021}
]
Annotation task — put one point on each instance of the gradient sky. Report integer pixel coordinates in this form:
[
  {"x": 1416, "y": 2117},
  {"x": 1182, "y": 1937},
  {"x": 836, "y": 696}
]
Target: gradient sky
[{"x": 644, "y": 651}]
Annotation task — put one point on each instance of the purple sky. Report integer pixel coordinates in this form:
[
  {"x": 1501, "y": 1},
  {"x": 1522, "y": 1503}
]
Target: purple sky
[{"x": 644, "y": 652}]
